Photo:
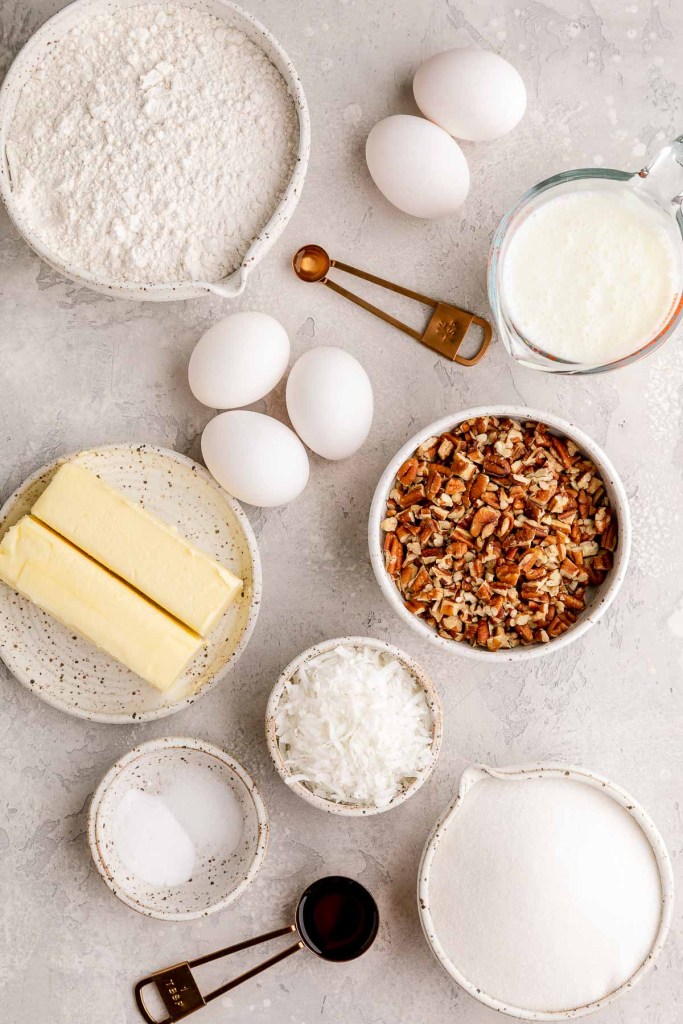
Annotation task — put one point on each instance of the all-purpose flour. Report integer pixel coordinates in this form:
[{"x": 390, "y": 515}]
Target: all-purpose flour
[{"x": 152, "y": 144}]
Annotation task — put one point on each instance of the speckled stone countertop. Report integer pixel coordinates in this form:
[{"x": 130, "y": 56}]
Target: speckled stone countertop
[{"x": 605, "y": 80}]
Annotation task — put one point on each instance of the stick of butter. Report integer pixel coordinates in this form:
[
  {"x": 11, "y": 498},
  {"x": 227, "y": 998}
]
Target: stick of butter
[
  {"x": 88, "y": 599},
  {"x": 138, "y": 547}
]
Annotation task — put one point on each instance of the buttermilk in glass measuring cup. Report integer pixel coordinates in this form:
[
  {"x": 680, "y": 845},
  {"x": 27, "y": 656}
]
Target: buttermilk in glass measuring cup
[{"x": 586, "y": 271}]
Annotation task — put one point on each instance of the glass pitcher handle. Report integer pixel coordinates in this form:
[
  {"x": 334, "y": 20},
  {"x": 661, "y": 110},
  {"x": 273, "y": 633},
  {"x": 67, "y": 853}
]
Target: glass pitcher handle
[{"x": 662, "y": 179}]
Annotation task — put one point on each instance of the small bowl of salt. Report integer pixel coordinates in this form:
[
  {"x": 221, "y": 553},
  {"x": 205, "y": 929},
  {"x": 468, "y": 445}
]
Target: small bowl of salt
[
  {"x": 354, "y": 726},
  {"x": 177, "y": 829}
]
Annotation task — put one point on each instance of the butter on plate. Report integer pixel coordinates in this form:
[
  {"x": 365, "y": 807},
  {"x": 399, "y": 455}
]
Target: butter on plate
[
  {"x": 104, "y": 610},
  {"x": 138, "y": 547}
]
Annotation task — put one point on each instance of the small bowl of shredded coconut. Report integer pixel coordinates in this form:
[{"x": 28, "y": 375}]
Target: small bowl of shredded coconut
[
  {"x": 354, "y": 726},
  {"x": 153, "y": 150}
]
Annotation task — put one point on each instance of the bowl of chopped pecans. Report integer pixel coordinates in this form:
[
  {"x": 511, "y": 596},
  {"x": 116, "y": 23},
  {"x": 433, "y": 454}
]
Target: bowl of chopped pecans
[{"x": 500, "y": 533}]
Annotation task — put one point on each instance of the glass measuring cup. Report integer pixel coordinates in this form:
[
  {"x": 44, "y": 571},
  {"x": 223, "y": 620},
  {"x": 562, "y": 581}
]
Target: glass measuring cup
[
  {"x": 659, "y": 186},
  {"x": 336, "y": 918}
]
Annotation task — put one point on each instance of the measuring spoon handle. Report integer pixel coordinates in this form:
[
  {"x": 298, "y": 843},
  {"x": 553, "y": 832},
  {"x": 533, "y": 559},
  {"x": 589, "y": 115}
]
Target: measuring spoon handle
[
  {"x": 180, "y": 992},
  {"x": 254, "y": 971}
]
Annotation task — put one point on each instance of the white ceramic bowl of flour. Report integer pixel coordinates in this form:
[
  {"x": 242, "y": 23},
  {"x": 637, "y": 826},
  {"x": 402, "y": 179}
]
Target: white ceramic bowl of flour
[
  {"x": 260, "y": 235},
  {"x": 545, "y": 891}
]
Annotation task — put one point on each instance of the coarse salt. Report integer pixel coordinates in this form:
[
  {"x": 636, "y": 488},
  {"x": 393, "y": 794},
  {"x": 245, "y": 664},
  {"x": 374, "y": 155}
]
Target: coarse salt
[
  {"x": 354, "y": 725},
  {"x": 152, "y": 143},
  {"x": 207, "y": 808}
]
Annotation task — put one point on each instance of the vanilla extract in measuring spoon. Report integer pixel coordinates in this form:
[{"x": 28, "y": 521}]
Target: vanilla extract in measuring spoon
[{"x": 336, "y": 918}]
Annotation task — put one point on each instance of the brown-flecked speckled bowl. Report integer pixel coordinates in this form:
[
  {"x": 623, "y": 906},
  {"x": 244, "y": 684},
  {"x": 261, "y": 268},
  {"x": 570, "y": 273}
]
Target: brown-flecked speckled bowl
[
  {"x": 217, "y": 881},
  {"x": 300, "y": 788},
  {"x": 32, "y": 56},
  {"x": 470, "y": 777}
]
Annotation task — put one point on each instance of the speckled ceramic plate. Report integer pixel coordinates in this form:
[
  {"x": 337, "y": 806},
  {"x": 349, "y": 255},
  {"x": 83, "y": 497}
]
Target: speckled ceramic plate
[
  {"x": 433, "y": 702},
  {"x": 218, "y": 879},
  {"x": 469, "y": 778},
  {"x": 70, "y": 673}
]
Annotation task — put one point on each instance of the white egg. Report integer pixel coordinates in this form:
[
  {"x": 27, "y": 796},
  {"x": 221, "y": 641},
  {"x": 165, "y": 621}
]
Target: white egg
[
  {"x": 472, "y": 94},
  {"x": 417, "y": 166},
  {"x": 329, "y": 401},
  {"x": 255, "y": 458},
  {"x": 238, "y": 360}
]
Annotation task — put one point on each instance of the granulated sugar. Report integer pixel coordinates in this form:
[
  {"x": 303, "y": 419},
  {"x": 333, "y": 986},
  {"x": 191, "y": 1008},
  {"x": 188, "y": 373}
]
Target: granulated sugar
[
  {"x": 150, "y": 842},
  {"x": 544, "y": 892},
  {"x": 152, "y": 144}
]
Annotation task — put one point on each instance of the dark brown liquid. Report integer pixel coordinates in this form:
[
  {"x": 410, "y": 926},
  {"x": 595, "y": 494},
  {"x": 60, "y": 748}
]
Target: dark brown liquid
[{"x": 337, "y": 918}]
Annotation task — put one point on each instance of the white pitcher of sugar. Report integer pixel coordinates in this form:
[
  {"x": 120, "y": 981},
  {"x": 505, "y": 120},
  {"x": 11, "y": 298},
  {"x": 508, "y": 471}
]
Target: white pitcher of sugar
[{"x": 586, "y": 271}]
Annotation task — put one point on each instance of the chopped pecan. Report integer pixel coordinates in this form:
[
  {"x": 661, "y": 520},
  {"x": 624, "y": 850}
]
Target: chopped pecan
[
  {"x": 505, "y": 524},
  {"x": 479, "y": 485},
  {"x": 434, "y": 481},
  {"x": 609, "y": 537},
  {"x": 422, "y": 580},
  {"x": 602, "y": 561},
  {"x": 455, "y": 487},
  {"x": 484, "y": 522},
  {"x": 463, "y": 467},
  {"x": 508, "y": 573},
  {"x": 568, "y": 568},
  {"x": 445, "y": 448},
  {"x": 413, "y": 497},
  {"x": 393, "y": 554},
  {"x": 494, "y": 531},
  {"x": 602, "y": 519},
  {"x": 408, "y": 471},
  {"x": 525, "y": 634},
  {"x": 560, "y": 450},
  {"x": 457, "y": 548},
  {"x": 496, "y": 465}
]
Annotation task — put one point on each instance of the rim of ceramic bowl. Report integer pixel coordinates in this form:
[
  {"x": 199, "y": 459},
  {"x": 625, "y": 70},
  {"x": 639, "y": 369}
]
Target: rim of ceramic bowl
[
  {"x": 257, "y": 585},
  {"x": 420, "y": 676},
  {"x": 143, "y": 751},
  {"x": 604, "y": 595},
  {"x": 470, "y": 776},
  {"x": 233, "y": 284}
]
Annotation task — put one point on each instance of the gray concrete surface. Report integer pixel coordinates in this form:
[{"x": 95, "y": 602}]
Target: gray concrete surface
[{"x": 77, "y": 369}]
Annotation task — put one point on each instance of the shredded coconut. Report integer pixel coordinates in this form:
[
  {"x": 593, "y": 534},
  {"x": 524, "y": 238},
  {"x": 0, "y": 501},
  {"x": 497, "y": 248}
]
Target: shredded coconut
[
  {"x": 152, "y": 144},
  {"x": 354, "y": 725}
]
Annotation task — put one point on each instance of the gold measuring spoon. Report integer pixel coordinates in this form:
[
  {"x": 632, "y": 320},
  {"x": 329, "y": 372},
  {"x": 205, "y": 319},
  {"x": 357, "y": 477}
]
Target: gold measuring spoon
[
  {"x": 336, "y": 918},
  {"x": 447, "y": 325}
]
